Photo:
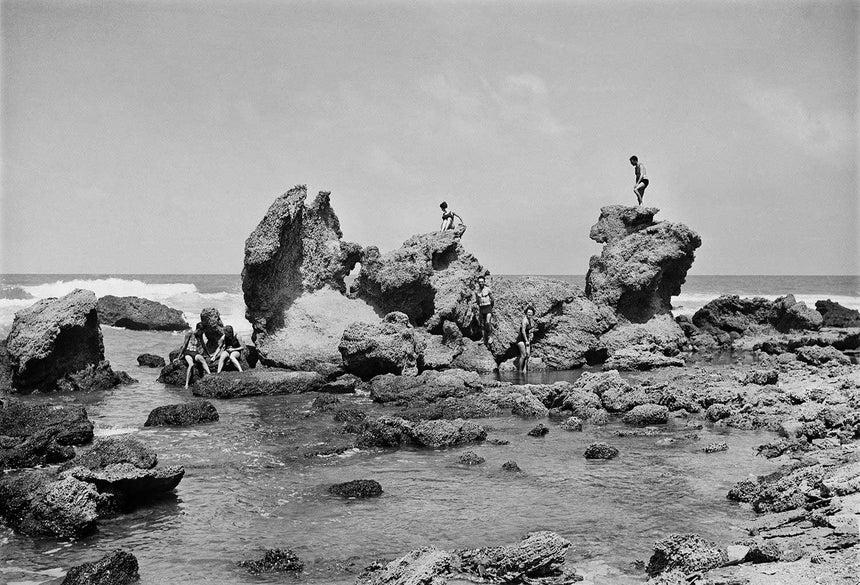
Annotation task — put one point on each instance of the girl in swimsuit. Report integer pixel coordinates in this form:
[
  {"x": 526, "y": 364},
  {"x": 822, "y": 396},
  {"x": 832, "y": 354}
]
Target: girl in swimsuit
[
  {"x": 448, "y": 217},
  {"x": 229, "y": 348},
  {"x": 524, "y": 340},
  {"x": 192, "y": 351}
]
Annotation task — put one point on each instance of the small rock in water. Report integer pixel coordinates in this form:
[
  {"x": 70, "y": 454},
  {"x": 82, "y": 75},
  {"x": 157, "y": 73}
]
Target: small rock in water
[
  {"x": 599, "y": 418},
  {"x": 647, "y": 414},
  {"x": 325, "y": 402},
  {"x": 511, "y": 466},
  {"x": 349, "y": 414},
  {"x": 539, "y": 431},
  {"x": 572, "y": 424},
  {"x": 150, "y": 360},
  {"x": 471, "y": 458},
  {"x": 718, "y": 411},
  {"x": 601, "y": 451},
  {"x": 115, "y": 568},
  {"x": 189, "y": 413},
  {"x": 274, "y": 560},
  {"x": 359, "y": 488},
  {"x": 715, "y": 447},
  {"x": 498, "y": 442}
]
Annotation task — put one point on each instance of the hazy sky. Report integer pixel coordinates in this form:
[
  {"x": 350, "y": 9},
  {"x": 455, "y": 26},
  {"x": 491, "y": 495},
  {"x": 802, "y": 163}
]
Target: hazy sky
[{"x": 152, "y": 136}]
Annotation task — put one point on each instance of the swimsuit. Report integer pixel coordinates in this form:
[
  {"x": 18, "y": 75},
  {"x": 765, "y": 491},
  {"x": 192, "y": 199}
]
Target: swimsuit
[
  {"x": 528, "y": 332},
  {"x": 193, "y": 347},
  {"x": 484, "y": 301}
]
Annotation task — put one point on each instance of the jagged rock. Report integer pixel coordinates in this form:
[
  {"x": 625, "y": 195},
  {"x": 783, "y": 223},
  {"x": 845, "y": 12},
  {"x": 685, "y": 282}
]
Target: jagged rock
[
  {"x": 761, "y": 377},
  {"x": 835, "y": 315},
  {"x": 470, "y": 458},
  {"x": 325, "y": 402},
  {"x": 32, "y": 503},
  {"x": 580, "y": 401},
  {"x": 149, "y": 360},
  {"x": 427, "y": 565},
  {"x": 187, "y": 413},
  {"x": 787, "y": 314},
  {"x": 538, "y": 431},
  {"x": 780, "y": 491},
  {"x": 643, "y": 263},
  {"x": 429, "y": 386},
  {"x": 843, "y": 481},
  {"x": 718, "y": 411},
  {"x": 510, "y": 466},
  {"x": 647, "y": 414},
  {"x": 438, "y": 354},
  {"x": 430, "y": 278},
  {"x": 345, "y": 384},
  {"x": 40, "y": 433},
  {"x": 572, "y": 424},
  {"x": 660, "y": 332},
  {"x": 274, "y": 560},
  {"x": 568, "y": 325},
  {"x": 118, "y": 567},
  {"x": 139, "y": 314},
  {"x": 349, "y": 414},
  {"x": 671, "y": 577},
  {"x": 54, "y": 338},
  {"x": 640, "y": 358},
  {"x": 256, "y": 383},
  {"x": 389, "y": 347},
  {"x": 527, "y": 405},
  {"x": 474, "y": 357},
  {"x": 116, "y": 449},
  {"x": 763, "y": 552},
  {"x": 816, "y": 356},
  {"x": 5, "y": 369},
  {"x": 128, "y": 482},
  {"x": 733, "y": 315},
  {"x": 439, "y": 434},
  {"x": 386, "y": 432},
  {"x": 359, "y": 488},
  {"x": 601, "y": 451},
  {"x": 94, "y": 377},
  {"x": 622, "y": 397},
  {"x": 715, "y": 447},
  {"x": 688, "y": 553}
]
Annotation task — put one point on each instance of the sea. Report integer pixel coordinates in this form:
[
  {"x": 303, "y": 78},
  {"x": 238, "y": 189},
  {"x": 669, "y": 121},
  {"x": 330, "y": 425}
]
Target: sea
[{"x": 253, "y": 479}]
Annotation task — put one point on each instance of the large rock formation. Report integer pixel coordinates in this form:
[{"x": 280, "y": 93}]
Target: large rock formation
[
  {"x": 118, "y": 567},
  {"x": 643, "y": 263},
  {"x": 293, "y": 280},
  {"x": 835, "y": 315},
  {"x": 140, "y": 314},
  {"x": 56, "y": 344},
  {"x": 430, "y": 278},
  {"x": 36, "y": 434},
  {"x": 390, "y": 347}
]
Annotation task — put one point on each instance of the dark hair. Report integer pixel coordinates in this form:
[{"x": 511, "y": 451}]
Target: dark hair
[
  {"x": 530, "y": 308},
  {"x": 228, "y": 328},
  {"x": 199, "y": 327},
  {"x": 634, "y": 158},
  {"x": 443, "y": 205}
]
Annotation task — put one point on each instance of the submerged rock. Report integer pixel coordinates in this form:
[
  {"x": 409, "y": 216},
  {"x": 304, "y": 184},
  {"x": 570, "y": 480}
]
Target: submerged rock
[
  {"x": 149, "y": 360},
  {"x": 439, "y": 434},
  {"x": 539, "y": 431},
  {"x": 256, "y": 383},
  {"x": 643, "y": 263},
  {"x": 118, "y": 567},
  {"x": 390, "y": 347},
  {"x": 510, "y": 466},
  {"x": 187, "y": 413},
  {"x": 572, "y": 424},
  {"x": 470, "y": 458},
  {"x": 688, "y": 553},
  {"x": 56, "y": 342},
  {"x": 601, "y": 451},
  {"x": 641, "y": 358},
  {"x": 39, "y": 433},
  {"x": 358, "y": 488},
  {"x": 715, "y": 447},
  {"x": 139, "y": 314},
  {"x": 274, "y": 560}
]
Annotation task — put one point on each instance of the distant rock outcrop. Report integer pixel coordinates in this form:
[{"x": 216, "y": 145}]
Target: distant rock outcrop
[
  {"x": 57, "y": 344},
  {"x": 430, "y": 278},
  {"x": 835, "y": 315},
  {"x": 643, "y": 263},
  {"x": 140, "y": 314}
]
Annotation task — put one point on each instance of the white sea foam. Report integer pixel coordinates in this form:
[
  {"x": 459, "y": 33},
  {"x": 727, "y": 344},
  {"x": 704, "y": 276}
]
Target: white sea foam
[{"x": 119, "y": 287}]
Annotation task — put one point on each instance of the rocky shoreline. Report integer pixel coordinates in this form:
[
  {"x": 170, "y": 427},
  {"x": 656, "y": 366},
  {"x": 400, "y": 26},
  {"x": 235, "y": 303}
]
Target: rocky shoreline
[{"x": 404, "y": 335}]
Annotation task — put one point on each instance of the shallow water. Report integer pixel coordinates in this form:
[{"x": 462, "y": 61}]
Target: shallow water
[{"x": 248, "y": 487}]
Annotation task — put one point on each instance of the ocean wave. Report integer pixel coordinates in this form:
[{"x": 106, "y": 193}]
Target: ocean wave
[
  {"x": 13, "y": 292},
  {"x": 120, "y": 287}
]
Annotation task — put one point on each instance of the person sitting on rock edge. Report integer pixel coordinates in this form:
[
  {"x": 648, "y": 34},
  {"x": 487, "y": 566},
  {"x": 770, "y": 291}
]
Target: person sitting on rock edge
[
  {"x": 484, "y": 298},
  {"x": 524, "y": 339},
  {"x": 193, "y": 350},
  {"x": 448, "y": 217},
  {"x": 229, "y": 347},
  {"x": 641, "y": 178}
]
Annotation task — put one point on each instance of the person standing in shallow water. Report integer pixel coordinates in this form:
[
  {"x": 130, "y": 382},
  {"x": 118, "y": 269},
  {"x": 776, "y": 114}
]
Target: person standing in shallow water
[
  {"x": 484, "y": 298},
  {"x": 524, "y": 339},
  {"x": 448, "y": 217},
  {"x": 194, "y": 350},
  {"x": 641, "y": 178}
]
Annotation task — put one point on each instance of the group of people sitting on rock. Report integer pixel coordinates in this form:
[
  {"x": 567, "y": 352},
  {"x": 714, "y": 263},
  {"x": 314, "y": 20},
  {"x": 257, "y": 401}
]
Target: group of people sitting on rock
[
  {"x": 194, "y": 350},
  {"x": 525, "y": 334}
]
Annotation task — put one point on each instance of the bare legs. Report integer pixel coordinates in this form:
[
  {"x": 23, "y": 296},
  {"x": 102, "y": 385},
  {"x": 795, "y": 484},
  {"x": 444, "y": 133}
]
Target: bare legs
[
  {"x": 486, "y": 321},
  {"x": 233, "y": 356},
  {"x": 197, "y": 358},
  {"x": 525, "y": 354},
  {"x": 639, "y": 190}
]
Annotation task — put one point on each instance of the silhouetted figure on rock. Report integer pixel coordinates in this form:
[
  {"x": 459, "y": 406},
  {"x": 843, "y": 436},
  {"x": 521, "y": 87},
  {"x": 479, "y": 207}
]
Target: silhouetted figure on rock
[{"x": 641, "y": 178}]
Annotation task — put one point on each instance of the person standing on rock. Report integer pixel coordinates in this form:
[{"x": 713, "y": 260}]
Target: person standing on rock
[
  {"x": 229, "y": 348},
  {"x": 193, "y": 350},
  {"x": 448, "y": 217},
  {"x": 524, "y": 339},
  {"x": 484, "y": 298},
  {"x": 641, "y": 178}
]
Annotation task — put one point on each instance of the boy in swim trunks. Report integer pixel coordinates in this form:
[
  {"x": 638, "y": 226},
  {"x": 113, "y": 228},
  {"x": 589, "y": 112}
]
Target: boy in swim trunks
[
  {"x": 484, "y": 298},
  {"x": 641, "y": 178}
]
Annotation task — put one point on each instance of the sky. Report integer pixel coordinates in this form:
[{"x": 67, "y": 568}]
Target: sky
[{"x": 151, "y": 137}]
